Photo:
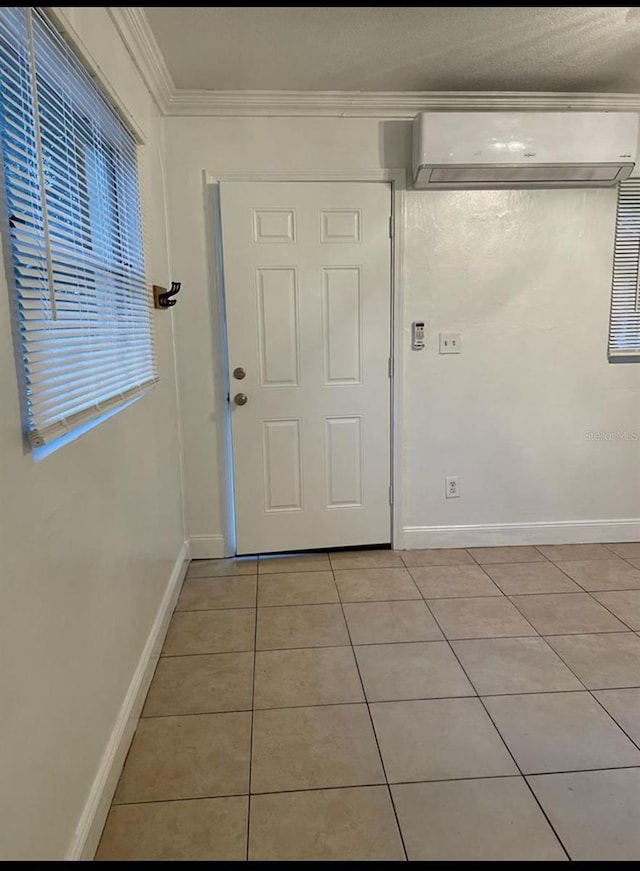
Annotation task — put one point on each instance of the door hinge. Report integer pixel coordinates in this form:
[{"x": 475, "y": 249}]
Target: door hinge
[
  {"x": 390, "y": 367},
  {"x": 391, "y": 227},
  {"x": 390, "y": 494}
]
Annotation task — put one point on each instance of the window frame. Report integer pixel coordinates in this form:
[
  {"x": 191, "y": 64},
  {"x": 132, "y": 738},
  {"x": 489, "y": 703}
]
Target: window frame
[{"x": 116, "y": 270}]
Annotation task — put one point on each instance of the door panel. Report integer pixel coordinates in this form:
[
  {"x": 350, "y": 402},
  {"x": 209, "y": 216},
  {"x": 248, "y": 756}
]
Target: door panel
[
  {"x": 278, "y": 327},
  {"x": 343, "y": 455},
  {"x": 282, "y": 474},
  {"x": 342, "y": 325},
  {"x": 307, "y": 291}
]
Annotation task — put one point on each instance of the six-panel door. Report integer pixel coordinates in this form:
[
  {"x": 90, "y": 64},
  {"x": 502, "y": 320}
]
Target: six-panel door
[{"x": 307, "y": 293}]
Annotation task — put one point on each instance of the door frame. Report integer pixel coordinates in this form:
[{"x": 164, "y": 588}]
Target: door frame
[{"x": 397, "y": 179}]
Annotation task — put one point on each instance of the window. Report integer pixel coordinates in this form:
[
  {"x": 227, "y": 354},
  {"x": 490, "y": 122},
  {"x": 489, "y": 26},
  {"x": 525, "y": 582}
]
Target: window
[
  {"x": 624, "y": 324},
  {"x": 82, "y": 310}
]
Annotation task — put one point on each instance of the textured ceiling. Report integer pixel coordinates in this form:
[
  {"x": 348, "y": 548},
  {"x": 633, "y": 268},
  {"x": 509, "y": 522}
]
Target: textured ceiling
[{"x": 401, "y": 48}]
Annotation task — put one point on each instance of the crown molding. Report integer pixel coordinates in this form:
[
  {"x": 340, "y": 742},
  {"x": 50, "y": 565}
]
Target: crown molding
[
  {"x": 133, "y": 26},
  {"x": 383, "y": 104}
]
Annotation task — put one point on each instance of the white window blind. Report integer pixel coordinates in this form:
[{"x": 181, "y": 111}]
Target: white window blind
[
  {"x": 83, "y": 317},
  {"x": 624, "y": 323}
]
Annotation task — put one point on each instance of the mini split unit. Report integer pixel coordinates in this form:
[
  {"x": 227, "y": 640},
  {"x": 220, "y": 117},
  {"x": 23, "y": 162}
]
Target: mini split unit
[{"x": 523, "y": 149}]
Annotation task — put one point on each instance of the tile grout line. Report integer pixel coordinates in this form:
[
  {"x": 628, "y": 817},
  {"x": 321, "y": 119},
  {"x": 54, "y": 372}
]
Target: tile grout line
[
  {"x": 607, "y": 608},
  {"x": 626, "y": 559},
  {"x": 253, "y": 698},
  {"x": 582, "y": 632},
  {"x": 508, "y": 749},
  {"x": 472, "y": 695},
  {"x": 373, "y": 728},
  {"x": 593, "y": 691},
  {"x": 484, "y": 566},
  {"x": 623, "y": 631},
  {"x": 468, "y": 551},
  {"x": 498, "y": 595},
  {"x": 475, "y": 561},
  {"x": 597, "y": 700},
  {"x": 591, "y": 592},
  {"x": 545, "y": 559},
  {"x": 495, "y": 595},
  {"x": 533, "y": 634},
  {"x": 586, "y": 688},
  {"x": 636, "y": 743},
  {"x": 516, "y": 776}
]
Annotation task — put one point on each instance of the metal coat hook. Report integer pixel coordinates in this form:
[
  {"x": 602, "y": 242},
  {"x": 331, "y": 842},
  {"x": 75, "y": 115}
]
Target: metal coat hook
[{"x": 162, "y": 296}]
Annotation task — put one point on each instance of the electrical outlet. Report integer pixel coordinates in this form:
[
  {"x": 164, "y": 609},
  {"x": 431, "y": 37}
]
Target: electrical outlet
[
  {"x": 450, "y": 343},
  {"x": 452, "y": 487}
]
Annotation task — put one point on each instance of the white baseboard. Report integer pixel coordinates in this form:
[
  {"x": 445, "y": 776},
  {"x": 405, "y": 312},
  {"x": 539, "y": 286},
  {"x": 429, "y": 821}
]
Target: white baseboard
[
  {"x": 87, "y": 835},
  {"x": 207, "y": 547},
  {"x": 496, "y": 534}
]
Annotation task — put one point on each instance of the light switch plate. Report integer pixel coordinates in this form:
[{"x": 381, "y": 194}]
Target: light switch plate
[{"x": 450, "y": 343}]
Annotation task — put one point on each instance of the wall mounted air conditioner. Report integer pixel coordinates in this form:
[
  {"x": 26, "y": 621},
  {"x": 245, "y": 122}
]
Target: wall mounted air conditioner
[{"x": 523, "y": 149}]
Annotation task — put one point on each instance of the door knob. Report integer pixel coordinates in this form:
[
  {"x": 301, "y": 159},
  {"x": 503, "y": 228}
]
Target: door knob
[
  {"x": 240, "y": 399},
  {"x": 239, "y": 373}
]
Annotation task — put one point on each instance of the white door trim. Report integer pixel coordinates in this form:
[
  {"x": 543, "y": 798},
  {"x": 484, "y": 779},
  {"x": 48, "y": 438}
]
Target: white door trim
[{"x": 397, "y": 179}]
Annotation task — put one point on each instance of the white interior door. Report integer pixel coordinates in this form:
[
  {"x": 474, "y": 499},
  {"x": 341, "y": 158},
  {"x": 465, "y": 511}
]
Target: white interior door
[{"x": 307, "y": 271}]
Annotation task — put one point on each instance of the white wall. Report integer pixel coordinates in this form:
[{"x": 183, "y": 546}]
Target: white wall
[
  {"x": 89, "y": 538},
  {"x": 231, "y": 144},
  {"x": 524, "y": 275}
]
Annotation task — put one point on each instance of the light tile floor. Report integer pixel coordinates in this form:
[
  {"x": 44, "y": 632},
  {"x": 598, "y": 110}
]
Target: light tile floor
[{"x": 440, "y": 704}]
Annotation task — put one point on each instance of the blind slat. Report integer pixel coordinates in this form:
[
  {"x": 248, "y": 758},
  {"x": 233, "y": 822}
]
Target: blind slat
[
  {"x": 61, "y": 427},
  {"x": 72, "y": 190}
]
